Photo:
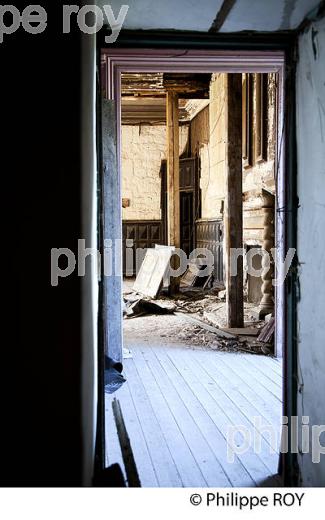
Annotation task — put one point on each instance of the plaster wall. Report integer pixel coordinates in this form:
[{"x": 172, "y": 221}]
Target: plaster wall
[
  {"x": 310, "y": 83},
  {"x": 213, "y": 155},
  {"x": 208, "y": 140},
  {"x": 143, "y": 149}
]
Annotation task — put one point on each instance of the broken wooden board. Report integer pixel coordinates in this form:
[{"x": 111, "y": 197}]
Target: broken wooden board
[
  {"x": 191, "y": 277},
  {"x": 267, "y": 332},
  {"x": 125, "y": 445},
  {"x": 242, "y": 331},
  {"x": 152, "y": 271},
  {"x": 196, "y": 321}
]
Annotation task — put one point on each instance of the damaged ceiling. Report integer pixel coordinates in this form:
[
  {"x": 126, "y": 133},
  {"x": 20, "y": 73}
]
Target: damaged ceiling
[
  {"x": 214, "y": 15},
  {"x": 144, "y": 96}
]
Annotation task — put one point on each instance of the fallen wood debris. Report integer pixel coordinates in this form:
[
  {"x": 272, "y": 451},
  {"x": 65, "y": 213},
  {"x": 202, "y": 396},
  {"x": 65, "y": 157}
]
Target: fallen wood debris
[
  {"x": 248, "y": 331},
  {"x": 267, "y": 332},
  {"x": 125, "y": 445},
  {"x": 194, "y": 277},
  {"x": 153, "y": 269},
  {"x": 212, "y": 318},
  {"x": 209, "y": 328},
  {"x": 141, "y": 307}
]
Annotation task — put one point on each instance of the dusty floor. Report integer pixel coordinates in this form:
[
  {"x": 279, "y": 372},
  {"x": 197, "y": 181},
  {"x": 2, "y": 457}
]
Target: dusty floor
[{"x": 158, "y": 329}]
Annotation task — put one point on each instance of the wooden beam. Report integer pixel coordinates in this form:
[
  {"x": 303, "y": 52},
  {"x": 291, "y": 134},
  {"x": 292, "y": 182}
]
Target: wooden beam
[
  {"x": 131, "y": 470},
  {"x": 223, "y": 12},
  {"x": 112, "y": 229},
  {"x": 233, "y": 215},
  {"x": 173, "y": 203}
]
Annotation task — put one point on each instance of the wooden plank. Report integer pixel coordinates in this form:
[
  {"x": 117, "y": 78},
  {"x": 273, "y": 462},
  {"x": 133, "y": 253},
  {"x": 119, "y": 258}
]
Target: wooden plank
[
  {"x": 188, "y": 279},
  {"x": 140, "y": 449},
  {"x": 261, "y": 378},
  {"x": 112, "y": 230},
  {"x": 268, "y": 331},
  {"x": 266, "y": 410},
  {"x": 270, "y": 402},
  {"x": 270, "y": 364},
  {"x": 163, "y": 463},
  {"x": 204, "y": 455},
  {"x": 221, "y": 333},
  {"x": 232, "y": 386},
  {"x": 266, "y": 370},
  {"x": 173, "y": 200},
  {"x": 243, "y": 331},
  {"x": 222, "y": 14},
  {"x": 233, "y": 213},
  {"x": 259, "y": 464},
  {"x": 221, "y": 416},
  {"x": 235, "y": 471},
  {"x": 151, "y": 273},
  {"x": 113, "y": 452},
  {"x": 187, "y": 466},
  {"x": 126, "y": 449}
]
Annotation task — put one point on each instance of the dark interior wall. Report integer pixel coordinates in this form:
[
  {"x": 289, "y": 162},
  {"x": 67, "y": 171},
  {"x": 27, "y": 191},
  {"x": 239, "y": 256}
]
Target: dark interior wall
[{"x": 40, "y": 167}]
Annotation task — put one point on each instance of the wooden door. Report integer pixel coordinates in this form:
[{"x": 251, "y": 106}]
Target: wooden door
[{"x": 187, "y": 221}]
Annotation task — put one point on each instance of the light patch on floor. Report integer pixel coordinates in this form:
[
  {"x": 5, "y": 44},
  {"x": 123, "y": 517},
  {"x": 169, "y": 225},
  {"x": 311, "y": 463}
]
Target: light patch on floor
[{"x": 178, "y": 404}]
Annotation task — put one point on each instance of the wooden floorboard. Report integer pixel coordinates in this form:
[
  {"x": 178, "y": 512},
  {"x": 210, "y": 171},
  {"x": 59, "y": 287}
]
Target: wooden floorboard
[
  {"x": 137, "y": 438},
  {"x": 258, "y": 364},
  {"x": 164, "y": 466},
  {"x": 178, "y": 404},
  {"x": 191, "y": 424},
  {"x": 220, "y": 403},
  {"x": 258, "y": 376},
  {"x": 221, "y": 413},
  {"x": 233, "y": 388},
  {"x": 266, "y": 403},
  {"x": 188, "y": 467}
]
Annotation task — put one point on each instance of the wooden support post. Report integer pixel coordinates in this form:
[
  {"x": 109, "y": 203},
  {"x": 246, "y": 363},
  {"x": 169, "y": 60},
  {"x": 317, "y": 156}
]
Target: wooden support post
[
  {"x": 266, "y": 304},
  {"x": 173, "y": 202},
  {"x": 233, "y": 215}
]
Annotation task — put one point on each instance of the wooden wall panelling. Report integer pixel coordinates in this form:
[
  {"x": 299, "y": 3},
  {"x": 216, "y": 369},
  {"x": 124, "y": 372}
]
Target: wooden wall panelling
[
  {"x": 144, "y": 234},
  {"x": 209, "y": 235},
  {"x": 261, "y": 100},
  {"x": 247, "y": 121}
]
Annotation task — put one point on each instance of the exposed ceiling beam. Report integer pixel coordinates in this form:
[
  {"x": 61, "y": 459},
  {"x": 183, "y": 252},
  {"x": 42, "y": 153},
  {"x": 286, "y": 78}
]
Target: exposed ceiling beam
[
  {"x": 219, "y": 20},
  {"x": 188, "y": 86}
]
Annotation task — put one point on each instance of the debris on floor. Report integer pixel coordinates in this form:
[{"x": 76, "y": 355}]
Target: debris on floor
[
  {"x": 267, "y": 331},
  {"x": 194, "y": 277},
  {"x": 196, "y": 317},
  {"x": 153, "y": 270},
  {"x": 142, "y": 306}
]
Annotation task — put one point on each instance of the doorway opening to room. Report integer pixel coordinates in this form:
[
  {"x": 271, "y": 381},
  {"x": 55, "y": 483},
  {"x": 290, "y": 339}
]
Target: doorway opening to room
[{"x": 198, "y": 168}]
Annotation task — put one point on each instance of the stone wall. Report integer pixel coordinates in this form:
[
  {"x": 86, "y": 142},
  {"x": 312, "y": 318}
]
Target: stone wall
[
  {"x": 143, "y": 148},
  {"x": 208, "y": 133},
  {"x": 261, "y": 174},
  {"x": 208, "y": 141}
]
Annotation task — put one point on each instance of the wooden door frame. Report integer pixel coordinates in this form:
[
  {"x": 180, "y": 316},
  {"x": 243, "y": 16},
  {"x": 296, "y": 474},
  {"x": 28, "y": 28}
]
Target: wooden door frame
[{"x": 151, "y": 53}]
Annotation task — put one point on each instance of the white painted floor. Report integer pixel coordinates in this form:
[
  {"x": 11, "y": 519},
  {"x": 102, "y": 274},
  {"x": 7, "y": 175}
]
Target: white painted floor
[{"x": 179, "y": 404}]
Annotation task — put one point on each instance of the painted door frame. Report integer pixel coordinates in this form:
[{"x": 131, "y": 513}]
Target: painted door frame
[{"x": 231, "y": 58}]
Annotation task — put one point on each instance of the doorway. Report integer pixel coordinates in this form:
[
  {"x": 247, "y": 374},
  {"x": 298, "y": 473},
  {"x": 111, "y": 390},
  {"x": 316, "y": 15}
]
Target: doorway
[{"x": 160, "y": 366}]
